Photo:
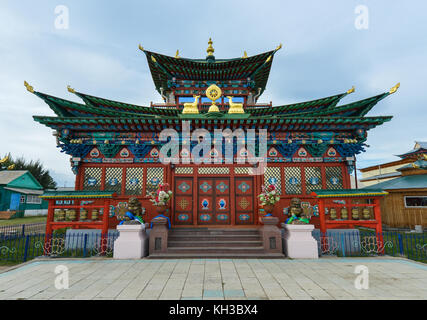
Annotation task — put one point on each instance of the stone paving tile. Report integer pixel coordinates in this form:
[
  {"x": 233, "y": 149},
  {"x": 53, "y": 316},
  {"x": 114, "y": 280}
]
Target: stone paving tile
[
  {"x": 217, "y": 279},
  {"x": 234, "y": 293}
]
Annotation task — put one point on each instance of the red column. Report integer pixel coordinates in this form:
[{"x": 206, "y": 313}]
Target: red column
[
  {"x": 49, "y": 220},
  {"x": 377, "y": 214},
  {"x": 322, "y": 215},
  {"x": 232, "y": 198},
  {"x": 378, "y": 226},
  {"x": 104, "y": 232}
]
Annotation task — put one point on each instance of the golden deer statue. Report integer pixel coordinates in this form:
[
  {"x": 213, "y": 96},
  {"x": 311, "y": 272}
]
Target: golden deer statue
[
  {"x": 235, "y": 107},
  {"x": 191, "y": 107}
]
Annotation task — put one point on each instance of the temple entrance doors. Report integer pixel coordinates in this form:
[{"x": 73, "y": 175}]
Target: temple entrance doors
[
  {"x": 183, "y": 201},
  {"x": 244, "y": 190},
  {"x": 213, "y": 200}
]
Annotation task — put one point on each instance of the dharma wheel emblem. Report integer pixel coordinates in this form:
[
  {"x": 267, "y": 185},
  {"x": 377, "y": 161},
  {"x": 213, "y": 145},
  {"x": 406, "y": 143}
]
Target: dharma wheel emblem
[{"x": 213, "y": 92}]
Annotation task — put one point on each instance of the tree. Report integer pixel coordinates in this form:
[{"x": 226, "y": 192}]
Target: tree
[{"x": 35, "y": 168}]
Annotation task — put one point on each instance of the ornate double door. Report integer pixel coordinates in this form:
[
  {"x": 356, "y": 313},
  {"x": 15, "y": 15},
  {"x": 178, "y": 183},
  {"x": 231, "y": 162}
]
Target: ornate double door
[{"x": 214, "y": 201}]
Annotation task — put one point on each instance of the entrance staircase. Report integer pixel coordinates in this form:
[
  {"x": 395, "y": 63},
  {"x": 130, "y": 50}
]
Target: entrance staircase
[{"x": 215, "y": 243}]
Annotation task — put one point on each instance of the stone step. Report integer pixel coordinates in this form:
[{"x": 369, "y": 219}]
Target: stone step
[
  {"x": 218, "y": 250},
  {"x": 216, "y": 256},
  {"x": 213, "y": 243},
  {"x": 197, "y": 238},
  {"x": 217, "y": 232}
]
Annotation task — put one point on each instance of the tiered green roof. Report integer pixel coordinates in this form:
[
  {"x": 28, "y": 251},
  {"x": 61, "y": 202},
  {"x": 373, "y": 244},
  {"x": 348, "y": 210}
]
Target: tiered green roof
[
  {"x": 165, "y": 68},
  {"x": 98, "y": 113},
  {"x": 103, "y": 111}
]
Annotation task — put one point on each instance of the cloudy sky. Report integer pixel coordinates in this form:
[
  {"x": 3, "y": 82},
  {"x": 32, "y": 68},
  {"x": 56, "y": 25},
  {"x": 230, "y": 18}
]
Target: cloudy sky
[{"x": 323, "y": 54}]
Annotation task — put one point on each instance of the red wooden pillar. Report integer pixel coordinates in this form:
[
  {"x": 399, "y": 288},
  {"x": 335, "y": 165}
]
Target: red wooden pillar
[
  {"x": 49, "y": 220},
  {"x": 232, "y": 198},
  {"x": 322, "y": 215},
  {"x": 377, "y": 214},
  {"x": 378, "y": 226},
  {"x": 77, "y": 182},
  {"x": 104, "y": 231}
]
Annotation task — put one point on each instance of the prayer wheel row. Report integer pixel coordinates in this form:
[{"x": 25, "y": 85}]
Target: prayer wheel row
[
  {"x": 71, "y": 215},
  {"x": 355, "y": 214}
]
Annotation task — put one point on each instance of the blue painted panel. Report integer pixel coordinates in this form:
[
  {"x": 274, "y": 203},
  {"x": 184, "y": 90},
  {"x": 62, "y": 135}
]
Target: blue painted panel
[{"x": 14, "y": 201}]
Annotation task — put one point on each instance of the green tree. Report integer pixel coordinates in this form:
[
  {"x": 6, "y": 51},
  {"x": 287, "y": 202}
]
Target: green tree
[{"x": 35, "y": 167}]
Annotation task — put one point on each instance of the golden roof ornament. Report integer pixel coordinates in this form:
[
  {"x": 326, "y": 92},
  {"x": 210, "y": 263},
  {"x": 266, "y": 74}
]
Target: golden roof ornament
[
  {"x": 210, "y": 50},
  {"x": 235, "y": 107},
  {"x": 177, "y": 54},
  {"x": 245, "y": 55},
  {"x": 70, "y": 89},
  {"x": 140, "y": 47},
  {"x": 153, "y": 59},
  {"x": 191, "y": 107},
  {"x": 213, "y": 92},
  {"x": 351, "y": 90},
  {"x": 268, "y": 59},
  {"x": 4, "y": 160},
  {"x": 29, "y": 88},
  {"x": 394, "y": 89},
  {"x": 279, "y": 47}
]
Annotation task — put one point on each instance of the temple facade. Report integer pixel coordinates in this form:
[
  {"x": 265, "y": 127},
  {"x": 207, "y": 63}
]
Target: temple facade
[{"x": 115, "y": 147}]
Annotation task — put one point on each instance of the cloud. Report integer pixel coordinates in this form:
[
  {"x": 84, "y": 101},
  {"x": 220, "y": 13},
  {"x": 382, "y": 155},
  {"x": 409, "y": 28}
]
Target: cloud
[{"x": 323, "y": 54}]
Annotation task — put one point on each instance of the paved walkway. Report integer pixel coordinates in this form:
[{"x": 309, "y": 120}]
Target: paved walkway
[{"x": 192, "y": 279}]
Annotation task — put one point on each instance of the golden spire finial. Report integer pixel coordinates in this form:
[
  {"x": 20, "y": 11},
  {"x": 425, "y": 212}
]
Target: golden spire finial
[
  {"x": 140, "y": 47},
  {"x": 29, "y": 88},
  {"x": 210, "y": 50},
  {"x": 177, "y": 54},
  {"x": 70, "y": 89},
  {"x": 351, "y": 90},
  {"x": 245, "y": 55},
  {"x": 394, "y": 89},
  {"x": 279, "y": 47}
]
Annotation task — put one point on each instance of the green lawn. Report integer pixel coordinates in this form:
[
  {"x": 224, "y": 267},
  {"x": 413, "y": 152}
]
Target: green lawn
[{"x": 26, "y": 220}]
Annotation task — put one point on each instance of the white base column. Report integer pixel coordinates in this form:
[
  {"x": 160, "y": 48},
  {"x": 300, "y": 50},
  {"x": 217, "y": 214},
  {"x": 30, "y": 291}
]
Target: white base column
[
  {"x": 299, "y": 243},
  {"x": 132, "y": 242}
]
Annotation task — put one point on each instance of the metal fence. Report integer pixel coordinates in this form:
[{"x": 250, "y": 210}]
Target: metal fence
[
  {"x": 357, "y": 243},
  {"x": 17, "y": 249},
  {"x": 22, "y": 229}
]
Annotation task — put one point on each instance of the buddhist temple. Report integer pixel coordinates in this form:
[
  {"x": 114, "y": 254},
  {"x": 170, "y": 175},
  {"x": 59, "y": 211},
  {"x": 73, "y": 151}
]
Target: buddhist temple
[{"x": 115, "y": 147}]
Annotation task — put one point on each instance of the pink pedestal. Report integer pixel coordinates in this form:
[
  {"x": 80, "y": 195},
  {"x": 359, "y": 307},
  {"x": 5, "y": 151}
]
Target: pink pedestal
[
  {"x": 132, "y": 242},
  {"x": 299, "y": 243}
]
